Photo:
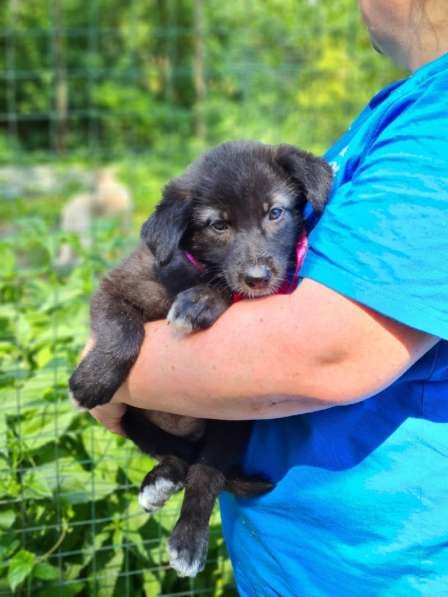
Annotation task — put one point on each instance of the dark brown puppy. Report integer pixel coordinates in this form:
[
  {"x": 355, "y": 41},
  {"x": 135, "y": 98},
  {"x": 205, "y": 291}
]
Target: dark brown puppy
[{"x": 229, "y": 224}]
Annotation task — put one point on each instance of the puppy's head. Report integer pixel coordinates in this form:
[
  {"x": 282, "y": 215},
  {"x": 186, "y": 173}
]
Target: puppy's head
[{"x": 239, "y": 210}]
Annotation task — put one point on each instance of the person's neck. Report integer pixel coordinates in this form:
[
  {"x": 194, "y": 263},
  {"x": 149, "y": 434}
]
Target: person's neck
[{"x": 427, "y": 52}]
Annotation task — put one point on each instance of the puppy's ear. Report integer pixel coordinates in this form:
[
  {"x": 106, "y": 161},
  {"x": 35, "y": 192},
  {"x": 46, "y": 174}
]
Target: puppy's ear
[
  {"x": 310, "y": 174},
  {"x": 163, "y": 231}
]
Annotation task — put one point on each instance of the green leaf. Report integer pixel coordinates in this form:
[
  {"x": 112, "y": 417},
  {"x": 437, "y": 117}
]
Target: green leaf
[
  {"x": 8, "y": 483},
  {"x": 106, "y": 452},
  {"x": 45, "y": 571},
  {"x": 7, "y": 518},
  {"x": 35, "y": 486},
  {"x": 67, "y": 478},
  {"x": 20, "y": 567},
  {"x": 151, "y": 584},
  {"x": 136, "y": 516},
  {"x": 109, "y": 574},
  {"x": 137, "y": 465},
  {"x": 8, "y": 544},
  {"x": 93, "y": 544},
  {"x": 100, "y": 443},
  {"x": 46, "y": 424}
]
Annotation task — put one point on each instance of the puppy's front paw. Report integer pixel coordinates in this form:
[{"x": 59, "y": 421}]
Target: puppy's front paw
[
  {"x": 187, "y": 549},
  {"x": 92, "y": 384},
  {"x": 197, "y": 309}
]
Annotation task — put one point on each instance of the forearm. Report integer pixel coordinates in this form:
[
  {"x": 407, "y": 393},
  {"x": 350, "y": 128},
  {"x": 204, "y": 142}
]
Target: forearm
[
  {"x": 232, "y": 371},
  {"x": 269, "y": 358}
]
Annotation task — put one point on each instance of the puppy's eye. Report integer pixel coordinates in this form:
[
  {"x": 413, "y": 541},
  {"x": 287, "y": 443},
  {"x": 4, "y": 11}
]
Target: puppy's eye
[
  {"x": 219, "y": 225},
  {"x": 276, "y": 213}
]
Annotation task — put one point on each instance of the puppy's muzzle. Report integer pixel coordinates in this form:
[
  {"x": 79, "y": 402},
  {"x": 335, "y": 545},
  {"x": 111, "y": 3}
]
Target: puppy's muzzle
[{"x": 257, "y": 277}]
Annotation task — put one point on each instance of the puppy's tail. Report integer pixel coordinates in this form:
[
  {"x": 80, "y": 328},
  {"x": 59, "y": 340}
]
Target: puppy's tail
[{"x": 248, "y": 487}]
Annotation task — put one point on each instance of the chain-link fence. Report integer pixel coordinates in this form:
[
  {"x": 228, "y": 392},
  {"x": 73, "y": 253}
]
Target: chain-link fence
[{"x": 101, "y": 102}]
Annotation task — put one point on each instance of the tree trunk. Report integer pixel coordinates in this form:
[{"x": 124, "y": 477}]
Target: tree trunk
[
  {"x": 60, "y": 80},
  {"x": 199, "y": 81}
]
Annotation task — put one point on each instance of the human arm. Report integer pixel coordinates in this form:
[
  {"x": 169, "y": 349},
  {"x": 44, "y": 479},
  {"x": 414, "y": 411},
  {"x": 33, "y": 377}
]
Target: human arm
[{"x": 273, "y": 357}]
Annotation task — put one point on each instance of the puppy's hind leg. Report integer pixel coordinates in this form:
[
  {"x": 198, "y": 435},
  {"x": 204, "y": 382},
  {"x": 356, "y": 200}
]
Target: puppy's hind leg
[
  {"x": 222, "y": 448},
  {"x": 174, "y": 453},
  {"x": 166, "y": 479},
  {"x": 188, "y": 544}
]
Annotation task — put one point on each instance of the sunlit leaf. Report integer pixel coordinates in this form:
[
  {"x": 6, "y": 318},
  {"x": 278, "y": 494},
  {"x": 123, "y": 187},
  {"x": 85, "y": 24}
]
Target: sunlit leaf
[{"x": 20, "y": 566}]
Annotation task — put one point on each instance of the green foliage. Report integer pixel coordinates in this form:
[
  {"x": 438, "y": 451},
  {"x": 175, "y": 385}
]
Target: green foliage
[
  {"x": 20, "y": 566},
  {"x": 69, "y": 518},
  {"x": 112, "y": 76}
]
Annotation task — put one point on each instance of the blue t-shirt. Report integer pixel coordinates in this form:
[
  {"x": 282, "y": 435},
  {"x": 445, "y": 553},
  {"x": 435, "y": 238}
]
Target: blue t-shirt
[{"x": 361, "y": 501}]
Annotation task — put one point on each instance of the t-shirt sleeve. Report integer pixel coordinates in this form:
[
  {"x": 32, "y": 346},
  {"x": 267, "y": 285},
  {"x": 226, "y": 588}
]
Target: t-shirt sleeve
[{"x": 383, "y": 238}]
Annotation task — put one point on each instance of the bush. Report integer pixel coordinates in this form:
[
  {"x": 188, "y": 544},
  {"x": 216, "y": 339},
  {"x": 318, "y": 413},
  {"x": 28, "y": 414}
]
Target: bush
[{"x": 69, "y": 518}]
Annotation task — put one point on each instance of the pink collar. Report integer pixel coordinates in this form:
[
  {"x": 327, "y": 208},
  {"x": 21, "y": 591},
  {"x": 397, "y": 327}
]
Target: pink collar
[
  {"x": 288, "y": 286},
  {"x": 194, "y": 262}
]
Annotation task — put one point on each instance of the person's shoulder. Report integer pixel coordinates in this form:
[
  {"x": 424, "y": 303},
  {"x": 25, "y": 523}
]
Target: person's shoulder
[
  {"x": 416, "y": 108},
  {"x": 426, "y": 88},
  {"x": 433, "y": 73}
]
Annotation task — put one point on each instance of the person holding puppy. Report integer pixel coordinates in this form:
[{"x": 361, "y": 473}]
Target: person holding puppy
[{"x": 347, "y": 377}]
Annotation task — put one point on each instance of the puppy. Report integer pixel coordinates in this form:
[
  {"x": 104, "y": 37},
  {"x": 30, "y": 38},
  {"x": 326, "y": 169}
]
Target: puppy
[{"x": 227, "y": 228}]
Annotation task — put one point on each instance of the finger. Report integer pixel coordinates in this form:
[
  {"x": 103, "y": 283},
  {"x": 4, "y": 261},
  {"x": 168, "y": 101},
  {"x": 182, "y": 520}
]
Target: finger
[
  {"x": 110, "y": 416},
  {"x": 88, "y": 347}
]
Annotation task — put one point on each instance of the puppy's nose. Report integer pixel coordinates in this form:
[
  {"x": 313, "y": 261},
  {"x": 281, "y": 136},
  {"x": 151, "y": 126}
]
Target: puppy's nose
[{"x": 257, "y": 277}]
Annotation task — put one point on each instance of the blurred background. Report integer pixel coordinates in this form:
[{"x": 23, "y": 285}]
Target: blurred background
[{"x": 101, "y": 102}]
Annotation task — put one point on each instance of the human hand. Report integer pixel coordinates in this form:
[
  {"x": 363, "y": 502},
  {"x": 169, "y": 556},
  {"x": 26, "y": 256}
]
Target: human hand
[{"x": 110, "y": 416}]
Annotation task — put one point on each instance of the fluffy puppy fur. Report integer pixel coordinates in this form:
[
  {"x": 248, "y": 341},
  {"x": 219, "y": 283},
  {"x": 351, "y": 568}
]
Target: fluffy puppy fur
[{"x": 228, "y": 225}]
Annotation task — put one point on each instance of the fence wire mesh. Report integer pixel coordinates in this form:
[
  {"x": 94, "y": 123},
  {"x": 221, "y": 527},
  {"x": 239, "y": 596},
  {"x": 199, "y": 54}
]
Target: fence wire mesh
[{"x": 101, "y": 102}]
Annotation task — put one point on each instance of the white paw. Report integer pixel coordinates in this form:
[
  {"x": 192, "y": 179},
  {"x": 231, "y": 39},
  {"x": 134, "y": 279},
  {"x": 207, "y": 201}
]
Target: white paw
[
  {"x": 181, "y": 325},
  {"x": 186, "y": 565},
  {"x": 153, "y": 496}
]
